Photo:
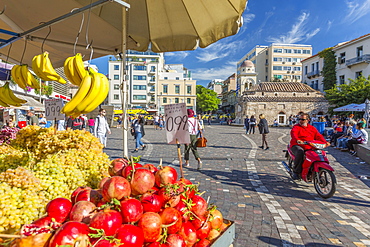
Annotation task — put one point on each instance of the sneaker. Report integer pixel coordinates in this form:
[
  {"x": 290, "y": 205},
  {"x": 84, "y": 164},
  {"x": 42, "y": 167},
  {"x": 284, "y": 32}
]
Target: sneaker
[
  {"x": 187, "y": 164},
  {"x": 344, "y": 150},
  {"x": 144, "y": 147},
  {"x": 135, "y": 151},
  {"x": 267, "y": 148},
  {"x": 261, "y": 147},
  {"x": 200, "y": 164},
  {"x": 295, "y": 176},
  {"x": 353, "y": 153}
]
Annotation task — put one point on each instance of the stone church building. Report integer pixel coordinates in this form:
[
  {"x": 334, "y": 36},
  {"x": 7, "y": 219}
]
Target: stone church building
[{"x": 279, "y": 100}]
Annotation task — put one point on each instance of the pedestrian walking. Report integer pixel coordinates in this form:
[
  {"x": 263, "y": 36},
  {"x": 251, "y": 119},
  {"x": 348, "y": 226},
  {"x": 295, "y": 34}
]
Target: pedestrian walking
[
  {"x": 33, "y": 120},
  {"x": 138, "y": 128},
  {"x": 201, "y": 123},
  {"x": 156, "y": 122},
  {"x": 91, "y": 123},
  {"x": 209, "y": 120},
  {"x": 193, "y": 128},
  {"x": 42, "y": 121},
  {"x": 252, "y": 124},
  {"x": 77, "y": 123},
  {"x": 246, "y": 124},
  {"x": 101, "y": 127},
  {"x": 264, "y": 130}
]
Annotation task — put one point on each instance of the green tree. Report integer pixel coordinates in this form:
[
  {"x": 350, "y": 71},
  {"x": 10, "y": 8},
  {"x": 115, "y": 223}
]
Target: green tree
[
  {"x": 206, "y": 99},
  {"x": 328, "y": 70},
  {"x": 356, "y": 91}
]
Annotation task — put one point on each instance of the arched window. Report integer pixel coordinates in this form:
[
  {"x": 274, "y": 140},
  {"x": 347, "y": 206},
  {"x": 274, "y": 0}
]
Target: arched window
[
  {"x": 281, "y": 112},
  {"x": 276, "y": 94}
]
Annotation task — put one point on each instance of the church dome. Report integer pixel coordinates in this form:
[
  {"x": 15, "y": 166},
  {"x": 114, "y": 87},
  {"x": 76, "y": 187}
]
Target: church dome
[{"x": 247, "y": 63}]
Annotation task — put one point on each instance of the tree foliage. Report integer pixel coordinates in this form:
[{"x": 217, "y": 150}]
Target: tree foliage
[
  {"x": 206, "y": 99},
  {"x": 328, "y": 70},
  {"x": 356, "y": 91}
]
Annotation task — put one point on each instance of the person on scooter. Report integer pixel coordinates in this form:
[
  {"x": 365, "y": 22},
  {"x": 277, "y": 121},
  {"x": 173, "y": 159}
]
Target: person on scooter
[{"x": 303, "y": 131}]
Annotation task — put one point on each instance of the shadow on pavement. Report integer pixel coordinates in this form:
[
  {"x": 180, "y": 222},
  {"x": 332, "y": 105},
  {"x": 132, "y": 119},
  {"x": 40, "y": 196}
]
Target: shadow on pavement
[{"x": 279, "y": 242}]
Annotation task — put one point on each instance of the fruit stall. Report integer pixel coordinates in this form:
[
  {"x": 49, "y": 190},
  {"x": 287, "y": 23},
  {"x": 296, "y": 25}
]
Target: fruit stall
[{"x": 60, "y": 189}]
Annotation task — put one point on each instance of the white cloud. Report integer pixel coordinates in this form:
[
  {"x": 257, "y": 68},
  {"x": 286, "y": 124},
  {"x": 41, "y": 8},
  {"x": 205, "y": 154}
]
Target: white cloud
[
  {"x": 355, "y": 11},
  {"x": 179, "y": 55},
  {"x": 297, "y": 33},
  {"x": 329, "y": 25},
  {"x": 209, "y": 74},
  {"x": 217, "y": 50},
  {"x": 248, "y": 18}
]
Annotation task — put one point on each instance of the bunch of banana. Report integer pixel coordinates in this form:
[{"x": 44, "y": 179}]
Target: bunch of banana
[
  {"x": 7, "y": 97},
  {"x": 43, "y": 68},
  {"x": 93, "y": 90},
  {"x": 74, "y": 69},
  {"x": 23, "y": 77}
]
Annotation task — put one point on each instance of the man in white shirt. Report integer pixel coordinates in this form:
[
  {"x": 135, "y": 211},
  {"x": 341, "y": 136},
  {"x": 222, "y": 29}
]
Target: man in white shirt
[{"x": 101, "y": 127}]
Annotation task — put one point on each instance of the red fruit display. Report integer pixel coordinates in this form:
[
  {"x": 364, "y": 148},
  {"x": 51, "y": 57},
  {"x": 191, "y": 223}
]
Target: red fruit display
[
  {"x": 108, "y": 220},
  {"x": 90, "y": 195},
  {"x": 156, "y": 244},
  {"x": 169, "y": 196},
  {"x": 69, "y": 234},
  {"x": 116, "y": 187},
  {"x": 171, "y": 216},
  {"x": 216, "y": 219},
  {"x": 43, "y": 221},
  {"x": 130, "y": 236},
  {"x": 142, "y": 180},
  {"x": 75, "y": 193},
  {"x": 82, "y": 211},
  {"x": 127, "y": 172},
  {"x": 213, "y": 234},
  {"x": 202, "y": 227},
  {"x": 188, "y": 233},
  {"x": 203, "y": 243},
  {"x": 102, "y": 182},
  {"x": 200, "y": 205},
  {"x": 151, "y": 168},
  {"x": 175, "y": 240},
  {"x": 183, "y": 209},
  {"x": 187, "y": 192},
  {"x": 151, "y": 202},
  {"x": 151, "y": 224},
  {"x": 131, "y": 210},
  {"x": 116, "y": 166},
  {"x": 105, "y": 243},
  {"x": 166, "y": 175},
  {"x": 59, "y": 209}
]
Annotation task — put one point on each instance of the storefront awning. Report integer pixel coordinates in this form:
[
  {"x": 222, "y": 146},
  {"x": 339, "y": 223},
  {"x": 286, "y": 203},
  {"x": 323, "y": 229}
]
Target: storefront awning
[{"x": 31, "y": 104}]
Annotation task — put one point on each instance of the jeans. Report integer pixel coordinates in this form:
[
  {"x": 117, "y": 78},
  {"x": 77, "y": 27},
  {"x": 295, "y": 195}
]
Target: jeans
[
  {"x": 298, "y": 152},
  {"x": 138, "y": 136},
  {"x": 252, "y": 128},
  {"x": 246, "y": 129},
  {"x": 342, "y": 142}
]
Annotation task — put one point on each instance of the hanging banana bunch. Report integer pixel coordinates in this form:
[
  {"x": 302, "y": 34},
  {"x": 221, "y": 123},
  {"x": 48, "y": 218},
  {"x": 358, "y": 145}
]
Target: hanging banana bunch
[
  {"x": 93, "y": 90},
  {"x": 8, "y": 98},
  {"x": 23, "y": 77},
  {"x": 74, "y": 69},
  {"x": 43, "y": 68}
]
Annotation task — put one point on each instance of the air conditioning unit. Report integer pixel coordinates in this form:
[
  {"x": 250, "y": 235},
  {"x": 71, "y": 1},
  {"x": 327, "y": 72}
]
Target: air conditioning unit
[
  {"x": 283, "y": 62},
  {"x": 288, "y": 71},
  {"x": 293, "y": 72},
  {"x": 293, "y": 63}
]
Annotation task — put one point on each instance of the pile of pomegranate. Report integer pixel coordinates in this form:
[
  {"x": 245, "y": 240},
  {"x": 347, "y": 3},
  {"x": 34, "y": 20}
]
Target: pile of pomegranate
[{"x": 139, "y": 205}]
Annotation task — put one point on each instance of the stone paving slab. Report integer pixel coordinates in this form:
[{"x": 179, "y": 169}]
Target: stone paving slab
[{"x": 251, "y": 187}]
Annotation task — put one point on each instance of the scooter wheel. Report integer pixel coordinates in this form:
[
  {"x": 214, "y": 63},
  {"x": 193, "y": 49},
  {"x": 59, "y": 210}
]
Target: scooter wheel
[{"x": 325, "y": 183}]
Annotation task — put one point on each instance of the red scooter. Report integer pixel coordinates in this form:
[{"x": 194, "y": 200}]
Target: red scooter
[{"x": 315, "y": 168}]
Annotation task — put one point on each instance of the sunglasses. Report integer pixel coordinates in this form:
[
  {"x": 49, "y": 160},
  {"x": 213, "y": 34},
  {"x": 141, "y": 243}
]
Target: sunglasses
[{"x": 303, "y": 119}]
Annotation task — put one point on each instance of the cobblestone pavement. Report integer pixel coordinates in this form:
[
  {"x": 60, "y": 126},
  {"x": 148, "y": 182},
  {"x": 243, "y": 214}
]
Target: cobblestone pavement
[{"x": 251, "y": 187}]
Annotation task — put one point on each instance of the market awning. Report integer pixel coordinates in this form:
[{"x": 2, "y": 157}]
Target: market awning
[{"x": 31, "y": 104}]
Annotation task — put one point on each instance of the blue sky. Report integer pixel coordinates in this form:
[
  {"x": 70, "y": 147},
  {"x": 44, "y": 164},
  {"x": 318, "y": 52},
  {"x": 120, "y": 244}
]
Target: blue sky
[{"x": 320, "y": 23}]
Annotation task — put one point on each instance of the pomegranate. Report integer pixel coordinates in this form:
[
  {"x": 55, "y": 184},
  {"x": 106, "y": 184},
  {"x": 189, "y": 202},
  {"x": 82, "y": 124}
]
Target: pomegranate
[
  {"x": 38, "y": 240},
  {"x": 69, "y": 234},
  {"x": 151, "y": 202},
  {"x": 75, "y": 193},
  {"x": 169, "y": 196},
  {"x": 183, "y": 209},
  {"x": 151, "y": 168},
  {"x": 175, "y": 240},
  {"x": 164, "y": 176},
  {"x": 156, "y": 244},
  {"x": 188, "y": 233},
  {"x": 203, "y": 243},
  {"x": 131, "y": 210},
  {"x": 200, "y": 207},
  {"x": 108, "y": 220},
  {"x": 43, "y": 221},
  {"x": 82, "y": 211},
  {"x": 203, "y": 230},
  {"x": 105, "y": 243},
  {"x": 151, "y": 224},
  {"x": 213, "y": 234},
  {"x": 130, "y": 236},
  {"x": 90, "y": 195},
  {"x": 59, "y": 209},
  {"x": 127, "y": 172},
  {"x": 102, "y": 182},
  {"x": 116, "y": 187},
  {"x": 172, "y": 217},
  {"x": 186, "y": 188},
  {"x": 142, "y": 180},
  {"x": 116, "y": 166}
]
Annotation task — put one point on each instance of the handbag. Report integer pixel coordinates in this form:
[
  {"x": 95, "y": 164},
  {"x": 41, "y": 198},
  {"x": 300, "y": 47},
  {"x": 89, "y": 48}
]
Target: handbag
[{"x": 201, "y": 142}]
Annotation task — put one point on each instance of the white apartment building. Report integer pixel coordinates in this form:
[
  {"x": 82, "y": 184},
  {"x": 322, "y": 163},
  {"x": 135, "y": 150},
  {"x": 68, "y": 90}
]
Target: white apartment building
[
  {"x": 175, "y": 85},
  {"x": 353, "y": 58},
  {"x": 278, "y": 61},
  {"x": 141, "y": 76},
  {"x": 311, "y": 76},
  {"x": 216, "y": 85}
]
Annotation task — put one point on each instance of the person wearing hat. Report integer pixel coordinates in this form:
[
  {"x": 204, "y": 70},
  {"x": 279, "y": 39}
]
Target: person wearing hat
[{"x": 193, "y": 128}]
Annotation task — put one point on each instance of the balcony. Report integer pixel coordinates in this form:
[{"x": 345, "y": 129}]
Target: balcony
[
  {"x": 361, "y": 59},
  {"x": 151, "y": 81},
  {"x": 151, "y": 91},
  {"x": 313, "y": 73},
  {"x": 152, "y": 72}
]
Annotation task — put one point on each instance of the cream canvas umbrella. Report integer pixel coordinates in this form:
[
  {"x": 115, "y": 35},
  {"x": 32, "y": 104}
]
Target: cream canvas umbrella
[{"x": 112, "y": 27}]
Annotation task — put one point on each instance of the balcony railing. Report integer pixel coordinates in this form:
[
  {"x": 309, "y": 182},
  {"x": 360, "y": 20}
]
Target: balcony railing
[
  {"x": 361, "y": 59},
  {"x": 313, "y": 73}
]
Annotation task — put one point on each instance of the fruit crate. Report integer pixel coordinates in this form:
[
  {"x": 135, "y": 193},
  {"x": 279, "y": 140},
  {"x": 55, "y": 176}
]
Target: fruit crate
[{"x": 227, "y": 237}]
